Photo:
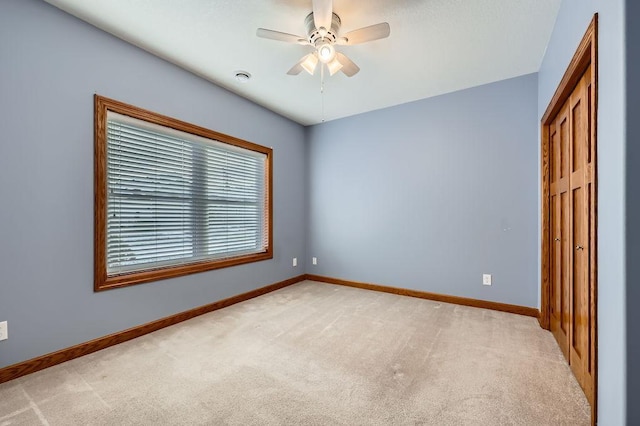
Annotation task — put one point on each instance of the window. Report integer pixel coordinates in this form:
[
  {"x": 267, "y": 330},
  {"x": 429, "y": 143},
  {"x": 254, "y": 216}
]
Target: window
[{"x": 172, "y": 198}]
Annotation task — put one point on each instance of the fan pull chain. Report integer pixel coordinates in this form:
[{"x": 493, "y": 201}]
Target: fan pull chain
[{"x": 322, "y": 91}]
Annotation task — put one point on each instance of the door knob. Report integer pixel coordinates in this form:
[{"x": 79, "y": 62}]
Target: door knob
[
  {"x": 579, "y": 248},
  {"x": 556, "y": 239}
]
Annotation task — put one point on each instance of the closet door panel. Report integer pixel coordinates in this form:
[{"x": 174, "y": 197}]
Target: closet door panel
[
  {"x": 559, "y": 287},
  {"x": 581, "y": 180}
]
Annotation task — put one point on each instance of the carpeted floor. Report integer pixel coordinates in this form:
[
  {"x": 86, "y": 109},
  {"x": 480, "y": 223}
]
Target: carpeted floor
[{"x": 315, "y": 354}]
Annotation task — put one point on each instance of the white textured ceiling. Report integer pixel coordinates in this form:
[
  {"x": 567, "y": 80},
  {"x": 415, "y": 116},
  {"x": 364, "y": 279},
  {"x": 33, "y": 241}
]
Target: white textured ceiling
[{"x": 435, "y": 46}]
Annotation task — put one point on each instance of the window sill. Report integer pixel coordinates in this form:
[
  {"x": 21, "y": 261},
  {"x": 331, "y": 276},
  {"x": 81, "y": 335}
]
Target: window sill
[{"x": 102, "y": 283}]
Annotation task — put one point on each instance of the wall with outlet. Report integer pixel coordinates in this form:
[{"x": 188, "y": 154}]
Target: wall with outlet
[
  {"x": 432, "y": 194},
  {"x": 52, "y": 64}
]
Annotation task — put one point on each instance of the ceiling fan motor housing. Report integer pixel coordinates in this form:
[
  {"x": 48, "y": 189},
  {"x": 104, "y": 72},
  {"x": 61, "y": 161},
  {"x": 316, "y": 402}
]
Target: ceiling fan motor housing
[{"x": 314, "y": 35}]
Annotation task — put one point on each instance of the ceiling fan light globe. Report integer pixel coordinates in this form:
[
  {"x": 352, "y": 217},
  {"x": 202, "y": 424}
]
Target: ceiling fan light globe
[
  {"x": 309, "y": 64},
  {"x": 326, "y": 52},
  {"x": 334, "y": 66}
]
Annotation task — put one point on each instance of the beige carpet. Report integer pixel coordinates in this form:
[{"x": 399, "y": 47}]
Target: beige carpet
[{"x": 315, "y": 354}]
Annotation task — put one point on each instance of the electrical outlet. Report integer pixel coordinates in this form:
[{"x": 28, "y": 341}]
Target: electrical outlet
[
  {"x": 4, "y": 332},
  {"x": 295, "y": 261},
  {"x": 486, "y": 279},
  {"x": 314, "y": 260}
]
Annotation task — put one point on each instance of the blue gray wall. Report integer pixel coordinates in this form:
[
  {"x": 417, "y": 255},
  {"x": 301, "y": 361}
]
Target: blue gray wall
[
  {"x": 633, "y": 208},
  {"x": 51, "y": 65},
  {"x": 432, "y": 194},
  {"x": 573, "y": 20}
]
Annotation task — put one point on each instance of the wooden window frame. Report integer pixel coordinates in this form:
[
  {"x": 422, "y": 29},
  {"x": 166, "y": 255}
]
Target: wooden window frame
[{"x": 103, "y": 281}]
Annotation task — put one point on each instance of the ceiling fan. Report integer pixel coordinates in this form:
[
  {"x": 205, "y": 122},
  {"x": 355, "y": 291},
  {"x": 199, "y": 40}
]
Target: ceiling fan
[{"x": 323, "y": 28}]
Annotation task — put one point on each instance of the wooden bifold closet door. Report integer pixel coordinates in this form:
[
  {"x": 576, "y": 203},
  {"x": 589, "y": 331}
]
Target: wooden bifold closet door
[{"x": 572, "y": 229}]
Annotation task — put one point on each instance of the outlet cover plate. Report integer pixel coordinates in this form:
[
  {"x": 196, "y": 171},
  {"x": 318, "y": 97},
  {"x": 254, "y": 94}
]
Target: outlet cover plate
[
  {"x": 4, "y": 332},
  {"x": 314, "y": 260},
  {"x": 486, "y": 279},
  {"x": 295, "y": 261}
]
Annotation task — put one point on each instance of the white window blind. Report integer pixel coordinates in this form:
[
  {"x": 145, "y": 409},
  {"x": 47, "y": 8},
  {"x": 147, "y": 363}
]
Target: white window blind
[{"x": 175, "y": 198}]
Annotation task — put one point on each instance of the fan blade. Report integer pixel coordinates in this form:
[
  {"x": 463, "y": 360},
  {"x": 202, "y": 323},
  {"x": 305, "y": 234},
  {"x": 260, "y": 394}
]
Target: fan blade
[
  {"x": 277, "y": 35},
  {"x": 322, "y": 13},
  {"x": 349, "y": 68},
  {"x": 362, "y": 35},
  {"x": 307, "y": 63},
  {"x": 296, "y": 69}
]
